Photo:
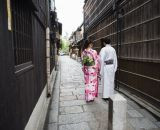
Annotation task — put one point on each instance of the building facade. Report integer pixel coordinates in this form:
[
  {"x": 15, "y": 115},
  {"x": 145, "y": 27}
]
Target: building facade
[
  {"x": 23, "y": 76},
  {"x": 134, "y": 29},
  {"x": 77, "y": 40}
]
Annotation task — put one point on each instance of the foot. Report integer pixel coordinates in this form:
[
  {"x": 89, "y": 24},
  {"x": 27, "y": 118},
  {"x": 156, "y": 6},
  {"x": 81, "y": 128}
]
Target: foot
[
  {"x": 90, "y": 101},
  {"x": 105, "y": 99}
]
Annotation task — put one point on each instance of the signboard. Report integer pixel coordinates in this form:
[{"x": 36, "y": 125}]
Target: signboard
[{"x": 9, "y": 15}]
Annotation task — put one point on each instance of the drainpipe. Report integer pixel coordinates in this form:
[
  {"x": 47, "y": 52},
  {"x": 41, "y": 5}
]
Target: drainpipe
[
  {"x": 48, "y": 51},
  {"x": 48, "y": 61}
]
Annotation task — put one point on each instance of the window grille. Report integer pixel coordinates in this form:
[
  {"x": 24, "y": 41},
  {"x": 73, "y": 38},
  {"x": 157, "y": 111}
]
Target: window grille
[{"x": 22, "y": 32}]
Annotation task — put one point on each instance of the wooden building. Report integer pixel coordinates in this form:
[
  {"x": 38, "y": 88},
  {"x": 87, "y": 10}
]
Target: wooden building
[
  {"x": 22, "y": 61},
  {"x": 134, "y": 29},
  {"x": 76, "y": 41}
]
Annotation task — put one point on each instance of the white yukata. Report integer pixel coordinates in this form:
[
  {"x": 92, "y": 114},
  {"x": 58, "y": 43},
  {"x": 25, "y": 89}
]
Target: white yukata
[{"x": 107, "y": 71}]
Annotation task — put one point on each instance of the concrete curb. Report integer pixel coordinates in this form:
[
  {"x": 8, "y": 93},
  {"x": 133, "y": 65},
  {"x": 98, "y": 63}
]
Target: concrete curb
[
  {"x": 38, "y": 116},
  {"x": 51, "y": 121}
]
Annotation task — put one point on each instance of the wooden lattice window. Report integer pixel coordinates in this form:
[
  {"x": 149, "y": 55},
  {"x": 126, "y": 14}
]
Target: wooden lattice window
[{"x": 22, "y": 32}]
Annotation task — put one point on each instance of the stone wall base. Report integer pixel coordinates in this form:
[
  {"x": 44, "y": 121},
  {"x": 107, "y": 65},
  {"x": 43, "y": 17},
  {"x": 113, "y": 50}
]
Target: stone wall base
[{"x": 38, "y": 116}]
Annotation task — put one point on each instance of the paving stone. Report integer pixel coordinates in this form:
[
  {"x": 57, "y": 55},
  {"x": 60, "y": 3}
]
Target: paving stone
[
  {"x": 141, "y": 123},
  {"x": 78, "y": 126},
  {"x": 72, "y": 109},
  {"x": 53, "y": 116},
  {"x": 81, "y": 97},
  {"x": 54, "y": 106},
  {"x": 67, "y": 90},
  {"x": 133, "y": 104},
  {"x": 66, "y": 98},
  {"x": 134, "y": 113},
  {"x": 94, "y": 125},
  {"x": 67, "y": 87},
  {"x": 129, "y": 127},
  {"x": 76, "y": 118},
  {"x": 70, "y": 84},
  {"x": 72, "y": 103},
  {"x": 103, "y": 126},
  {"x": 158, "y": 123},
  {"x": 52, "y": 126},
  {"x": 101, "y": 116},
  {"x": 129, "y": 107},
  {"x": 66, "y": 94},
  {"x": 148, "y": 115},
  {"x": 93, "y": 108},
  {"x": 80, "y": 89},
  {"x": 79, "y": 92}
]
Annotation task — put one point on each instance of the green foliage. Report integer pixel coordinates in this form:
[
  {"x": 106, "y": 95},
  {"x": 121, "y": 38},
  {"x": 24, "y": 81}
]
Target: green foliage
[
  {"x": 64, "y": 45},
  {"x": 88, "y": 61}
]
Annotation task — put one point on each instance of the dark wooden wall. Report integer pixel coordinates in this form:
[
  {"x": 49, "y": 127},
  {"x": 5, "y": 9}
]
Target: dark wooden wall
[
  {"x": 21, "y": 85},
  {"x": 138, "y": 36},
  {"x": 7, "y": 85}
]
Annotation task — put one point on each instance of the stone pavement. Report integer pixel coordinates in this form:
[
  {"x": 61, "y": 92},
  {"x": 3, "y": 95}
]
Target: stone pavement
[{"x": 69, "y": 111}]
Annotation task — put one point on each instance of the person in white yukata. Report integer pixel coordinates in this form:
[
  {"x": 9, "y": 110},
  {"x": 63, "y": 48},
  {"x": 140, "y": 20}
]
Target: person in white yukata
[{"x": 108, "y": 60}]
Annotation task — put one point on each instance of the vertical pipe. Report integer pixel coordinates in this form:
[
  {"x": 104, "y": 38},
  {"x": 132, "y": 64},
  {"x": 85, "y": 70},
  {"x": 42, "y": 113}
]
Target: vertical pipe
[
  {"x": 48, "y": 51},
  {"x": 48, "y": 61}
]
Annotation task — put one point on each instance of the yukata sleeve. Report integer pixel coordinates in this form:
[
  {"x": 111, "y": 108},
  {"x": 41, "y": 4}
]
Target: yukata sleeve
[
  {"x": 101, "y": 55},
  {"x": 97, "y": 61}
]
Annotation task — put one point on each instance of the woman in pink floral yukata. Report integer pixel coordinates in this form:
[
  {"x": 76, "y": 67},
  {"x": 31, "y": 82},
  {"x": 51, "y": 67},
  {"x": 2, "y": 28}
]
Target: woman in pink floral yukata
[{"x": 90, "y": 61}]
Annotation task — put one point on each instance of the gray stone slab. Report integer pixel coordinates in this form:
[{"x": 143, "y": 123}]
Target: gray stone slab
[
  {"x": 158, "y": 123},
  {"x": 54, "y": 106},
  {"x": 68, "y": 85},
  {"x": 103, "y": 126},
  {"x": 78, "y": 126},
  {"x": 72, "y": 103},
  {"x": 70, "y": 110},
  {"x": 81, "y": 97},
  {"x": 76, "y": 118},
  {"x": 80, "y": 89},
  {"x": 141, "y": 123},
  {"x": 133, "y": 104},
  {"x": 94, "y": 125},
  {"x": 147, "y": 115},
  {"x": 67, "y": 90},
  {"x": 52, "y": 126},
  {"x": 93, "y": 108},
  {"x": 129, "y": 107},
  {"x": 53, "y": 116},
  {"x": 66, "y": 94},
  {"x": 66, "y": 98},
  {"x": 134, "y": 113},
  {"x": 129, "y": 126},
  {"x": 79, "y": 92}
]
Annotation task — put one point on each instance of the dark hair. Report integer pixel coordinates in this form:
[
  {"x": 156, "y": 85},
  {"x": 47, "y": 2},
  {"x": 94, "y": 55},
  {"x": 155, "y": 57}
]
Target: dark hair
[
  {"x": 106, "y": 41},
  {"x": 86, "y": 44}
]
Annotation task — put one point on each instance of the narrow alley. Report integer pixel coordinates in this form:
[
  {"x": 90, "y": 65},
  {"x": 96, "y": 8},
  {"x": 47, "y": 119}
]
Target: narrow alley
[
  {"x": 43, "y": 45},
  {"x": 69, "y": 111}
]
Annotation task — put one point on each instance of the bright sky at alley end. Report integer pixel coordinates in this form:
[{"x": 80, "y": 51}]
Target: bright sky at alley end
[{"x": 70, "y": 14}]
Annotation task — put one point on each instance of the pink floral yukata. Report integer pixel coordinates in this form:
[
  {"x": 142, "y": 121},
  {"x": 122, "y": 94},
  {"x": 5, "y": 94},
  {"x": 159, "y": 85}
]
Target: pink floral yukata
[{"x": 91, "y": 75}]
